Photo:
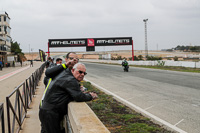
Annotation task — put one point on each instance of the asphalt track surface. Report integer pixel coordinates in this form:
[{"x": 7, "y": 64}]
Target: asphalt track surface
[{"x": 172, "y": 96}]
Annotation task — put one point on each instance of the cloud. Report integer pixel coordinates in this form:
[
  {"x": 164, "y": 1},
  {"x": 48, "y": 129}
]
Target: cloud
[{"x": 170, "y": 22}]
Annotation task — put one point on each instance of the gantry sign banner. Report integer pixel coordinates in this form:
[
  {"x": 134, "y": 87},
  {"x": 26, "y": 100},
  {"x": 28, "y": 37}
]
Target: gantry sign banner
[{"x": 90, "y": 42}]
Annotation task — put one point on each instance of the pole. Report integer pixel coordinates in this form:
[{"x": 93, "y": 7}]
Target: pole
[
  {"x": 145, "y": 28},
  {"x": 48, "y": 50},
  {"x": 132, "y": 52}
]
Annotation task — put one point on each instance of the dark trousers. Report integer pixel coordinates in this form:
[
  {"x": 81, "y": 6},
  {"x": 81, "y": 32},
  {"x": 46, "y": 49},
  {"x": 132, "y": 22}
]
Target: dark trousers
[{"x": 50, "y": 121}]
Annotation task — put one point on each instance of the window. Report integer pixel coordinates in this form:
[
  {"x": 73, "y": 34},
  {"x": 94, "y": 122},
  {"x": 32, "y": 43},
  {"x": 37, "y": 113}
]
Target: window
[
  {"x": 0, "y": 28},
  {"x": 5, "y": 18},
  {"x": 5, "y": 29},
  {"x": 0, "y": 18}
]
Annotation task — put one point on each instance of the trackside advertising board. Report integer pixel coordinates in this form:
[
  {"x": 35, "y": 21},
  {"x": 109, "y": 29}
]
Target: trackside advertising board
[{"x": 90, "y": 42}]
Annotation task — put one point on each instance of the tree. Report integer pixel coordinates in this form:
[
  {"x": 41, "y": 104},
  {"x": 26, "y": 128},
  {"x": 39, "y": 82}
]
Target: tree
[
  {"x": 140, "y": 57},
  {"x": 175, "y": 58},
  {"x": 15, "y": 48}
]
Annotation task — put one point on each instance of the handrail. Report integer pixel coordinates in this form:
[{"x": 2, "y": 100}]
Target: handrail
[
  {"x": 2, "y": 118},
  {"x": 17, "y": 109}
]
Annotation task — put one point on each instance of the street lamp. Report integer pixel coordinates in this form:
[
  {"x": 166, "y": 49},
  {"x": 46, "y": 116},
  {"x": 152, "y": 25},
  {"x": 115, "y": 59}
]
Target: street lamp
[{"x": 145, "y": 28}]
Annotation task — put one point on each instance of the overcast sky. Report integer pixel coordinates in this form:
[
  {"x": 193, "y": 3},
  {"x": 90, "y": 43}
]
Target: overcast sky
[{"x": 170, "y": 22}]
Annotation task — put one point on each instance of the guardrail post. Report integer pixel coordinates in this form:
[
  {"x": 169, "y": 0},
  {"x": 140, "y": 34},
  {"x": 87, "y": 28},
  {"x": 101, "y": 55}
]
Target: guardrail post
[
  {"x": 18, "y": 107},
  {"x": 2, "y": 118},
  {"x": 8, "y": 114},
  {"x": 25, "y": 98}
]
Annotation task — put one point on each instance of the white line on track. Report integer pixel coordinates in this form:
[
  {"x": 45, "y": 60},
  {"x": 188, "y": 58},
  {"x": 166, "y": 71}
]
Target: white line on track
[
  {"x": 179, "y": 122},
  {"x": 139, "y": 109},
  {"x": 129, "y": 98},
  {"x": 149, "y": 107}
]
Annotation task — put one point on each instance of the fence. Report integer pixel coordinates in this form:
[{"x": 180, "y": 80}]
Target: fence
[
  {"x": 2, "y": 118},
  {"x": 19, "y": 100}
]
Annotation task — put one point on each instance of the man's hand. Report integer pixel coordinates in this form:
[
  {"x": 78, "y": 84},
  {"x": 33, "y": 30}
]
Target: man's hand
[
  {"x": 94, "y": 95},
  {"x": 71, "y": 63}
]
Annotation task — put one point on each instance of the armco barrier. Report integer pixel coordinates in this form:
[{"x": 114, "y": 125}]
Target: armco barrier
[
  {"x": 19, "y": 100},
  {"x": 2, "y": 118}
]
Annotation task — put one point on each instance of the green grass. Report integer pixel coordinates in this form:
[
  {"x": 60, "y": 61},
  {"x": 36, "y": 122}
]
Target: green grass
[{"x": 119, "y": 118}]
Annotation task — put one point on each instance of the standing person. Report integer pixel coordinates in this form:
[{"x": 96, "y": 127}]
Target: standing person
[
  {"x": 63, "y": 89},
  {"x": 21, "y": 62},
  {"x": 1, "y": 65},
  {"x": 48, "y": 62},
  {"x": 58, "y": 62},
  {"x": 13, "y": 63},
  {"x": 31, "y": 63}
]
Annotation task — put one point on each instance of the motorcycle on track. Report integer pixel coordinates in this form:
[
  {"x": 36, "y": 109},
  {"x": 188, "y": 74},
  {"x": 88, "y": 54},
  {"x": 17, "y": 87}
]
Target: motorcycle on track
[{"x": 125, "y": 65}]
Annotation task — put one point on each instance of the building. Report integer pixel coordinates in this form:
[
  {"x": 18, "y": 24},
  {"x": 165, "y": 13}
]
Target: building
[{"x": 5, "y": 38}]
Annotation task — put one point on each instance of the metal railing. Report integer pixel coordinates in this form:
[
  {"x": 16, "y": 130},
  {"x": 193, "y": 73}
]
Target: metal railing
[
  {"x": 2, "y": 118},
  {"x": 19, "y": 100}
]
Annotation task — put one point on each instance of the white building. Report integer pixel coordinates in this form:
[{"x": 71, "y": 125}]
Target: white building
[{"x": 5, "y": 38}]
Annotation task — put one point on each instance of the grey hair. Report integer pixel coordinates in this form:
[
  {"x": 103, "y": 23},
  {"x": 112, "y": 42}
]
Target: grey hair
[{"x": 77, "y": 64}]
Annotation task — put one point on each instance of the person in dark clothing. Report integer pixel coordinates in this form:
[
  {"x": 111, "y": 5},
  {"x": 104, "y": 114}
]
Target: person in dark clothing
[
  {"x": 31, "y": 63},
  {"x": 21, "y": 62},
  {"x": 47, "y": 63},
  {"x": 58, "y": 62},
  {"x": 1, "y": 65},
  {"x": 63, "y": 89},
  {"x": 71, "y": 59},
  {"x": 13, "y": 63}
]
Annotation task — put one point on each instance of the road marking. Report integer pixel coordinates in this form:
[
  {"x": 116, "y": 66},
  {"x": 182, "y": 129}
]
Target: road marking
[
  {"x": 129, "y": 98},
  {"x": 179, "y": 122},
  {"x": 194, "y": 105},
  {"x": 12, "y": 73},
  {"x": 149, "y": 107},
  {"x": 139, "y": 109}
]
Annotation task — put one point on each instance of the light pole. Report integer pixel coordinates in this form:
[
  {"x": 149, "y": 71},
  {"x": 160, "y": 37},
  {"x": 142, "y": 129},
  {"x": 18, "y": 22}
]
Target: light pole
[
  {"x": 32, "y": 52},
  {"x": 145, "y": 28}
]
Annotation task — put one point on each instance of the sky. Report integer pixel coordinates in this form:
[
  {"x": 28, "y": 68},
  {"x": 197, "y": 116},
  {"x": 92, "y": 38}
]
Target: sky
[{"x": 170, "y": 22}]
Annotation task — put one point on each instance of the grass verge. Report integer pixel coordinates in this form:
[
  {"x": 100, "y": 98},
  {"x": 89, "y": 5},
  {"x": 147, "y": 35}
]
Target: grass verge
[{"x": 119, "y": 118}]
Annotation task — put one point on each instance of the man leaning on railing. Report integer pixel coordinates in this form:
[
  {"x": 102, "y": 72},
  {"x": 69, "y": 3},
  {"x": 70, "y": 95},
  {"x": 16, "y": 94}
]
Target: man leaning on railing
[{"x": 63, "y": 89}]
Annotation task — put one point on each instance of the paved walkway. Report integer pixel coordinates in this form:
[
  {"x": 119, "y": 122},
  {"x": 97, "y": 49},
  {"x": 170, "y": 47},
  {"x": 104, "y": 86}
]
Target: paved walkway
[
  {"x": 32, "y": 123},
  {"x": 10, "y": 78}
]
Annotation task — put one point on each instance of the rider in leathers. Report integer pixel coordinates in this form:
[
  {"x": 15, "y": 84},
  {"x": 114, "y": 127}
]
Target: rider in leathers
[{"x": 125, "y": 64}]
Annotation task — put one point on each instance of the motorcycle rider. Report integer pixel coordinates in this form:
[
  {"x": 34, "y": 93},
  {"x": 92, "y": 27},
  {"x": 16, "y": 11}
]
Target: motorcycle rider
[{"x": 125, "y": 65}]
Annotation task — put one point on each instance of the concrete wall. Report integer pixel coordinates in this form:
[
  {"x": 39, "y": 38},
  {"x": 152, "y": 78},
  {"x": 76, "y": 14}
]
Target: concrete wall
[{"x": 83, "y": 119}]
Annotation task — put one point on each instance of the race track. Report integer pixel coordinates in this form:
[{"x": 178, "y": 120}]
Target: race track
[{"x": 169, "y": 95}]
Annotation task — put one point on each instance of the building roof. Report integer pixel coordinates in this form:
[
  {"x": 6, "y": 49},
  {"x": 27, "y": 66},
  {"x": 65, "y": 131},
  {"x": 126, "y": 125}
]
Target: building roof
[{"x": 4, "y": 13}]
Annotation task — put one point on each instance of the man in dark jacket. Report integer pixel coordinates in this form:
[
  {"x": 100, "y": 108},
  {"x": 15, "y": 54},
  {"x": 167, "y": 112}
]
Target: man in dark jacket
[
  {"x": 63, "y": 89},
  {"x": 71, "y": 59}
]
